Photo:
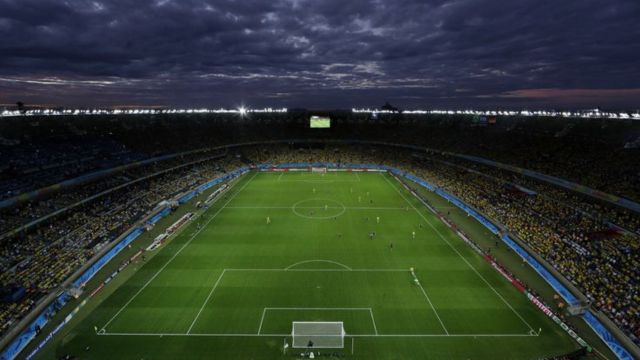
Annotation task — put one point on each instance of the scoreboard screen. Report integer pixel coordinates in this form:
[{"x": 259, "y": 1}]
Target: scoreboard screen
[{"x": 320, "y": 122}]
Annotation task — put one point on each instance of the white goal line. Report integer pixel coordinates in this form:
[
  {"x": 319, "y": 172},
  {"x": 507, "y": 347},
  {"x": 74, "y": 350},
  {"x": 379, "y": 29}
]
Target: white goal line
[{"x": 347, "y": 335}]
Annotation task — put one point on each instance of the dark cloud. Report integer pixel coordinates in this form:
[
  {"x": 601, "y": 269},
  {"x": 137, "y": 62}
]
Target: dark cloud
[{"x": 333, "y": 53}]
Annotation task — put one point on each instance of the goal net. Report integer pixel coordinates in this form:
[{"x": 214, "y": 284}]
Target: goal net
[
  {"x": 318, "y": 334},
  {"x": 319, "y": 169}
]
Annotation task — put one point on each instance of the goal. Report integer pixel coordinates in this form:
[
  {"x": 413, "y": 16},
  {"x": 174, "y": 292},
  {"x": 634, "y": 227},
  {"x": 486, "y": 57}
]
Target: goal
[
  {"x": 318, "y": 169},
  {"x": 318, "y": 334}
]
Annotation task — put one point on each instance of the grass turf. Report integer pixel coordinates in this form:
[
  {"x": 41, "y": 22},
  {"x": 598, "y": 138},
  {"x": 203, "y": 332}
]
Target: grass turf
[{"x": 232, "y": 288}]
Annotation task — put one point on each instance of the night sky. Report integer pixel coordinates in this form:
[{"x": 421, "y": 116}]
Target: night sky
[{"x": 539, "y": 54}]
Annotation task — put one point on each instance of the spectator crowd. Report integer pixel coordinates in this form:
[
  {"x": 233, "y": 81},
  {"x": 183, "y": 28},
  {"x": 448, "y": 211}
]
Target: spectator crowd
[
  {"x": 593, "y": 243},
  {"x": 578, "y": 240},
  {"x": 36, "y": 261}
]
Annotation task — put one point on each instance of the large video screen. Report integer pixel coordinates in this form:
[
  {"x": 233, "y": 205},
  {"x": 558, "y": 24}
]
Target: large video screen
[{"x": 320, "y": 122}]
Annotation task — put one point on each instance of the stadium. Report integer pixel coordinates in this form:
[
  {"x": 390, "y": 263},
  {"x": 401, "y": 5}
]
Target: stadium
[
  {"x": 319, "y": 179},
  {"x": 286, "y": 234}
]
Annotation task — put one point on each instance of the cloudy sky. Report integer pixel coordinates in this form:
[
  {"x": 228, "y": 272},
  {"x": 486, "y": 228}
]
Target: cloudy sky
[{"x": 321, "y": 53}]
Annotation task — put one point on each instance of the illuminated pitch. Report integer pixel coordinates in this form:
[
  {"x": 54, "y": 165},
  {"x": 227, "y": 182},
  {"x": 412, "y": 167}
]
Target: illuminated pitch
[{"x": 338, "y": 247}]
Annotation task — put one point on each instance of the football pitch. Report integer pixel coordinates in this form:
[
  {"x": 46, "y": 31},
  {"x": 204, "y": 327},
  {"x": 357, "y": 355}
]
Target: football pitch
[{"x": 299, "y": 246}]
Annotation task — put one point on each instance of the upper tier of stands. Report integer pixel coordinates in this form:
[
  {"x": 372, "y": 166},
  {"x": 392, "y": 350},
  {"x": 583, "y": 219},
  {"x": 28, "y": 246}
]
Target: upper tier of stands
[
  {"x": 559, "y": 147},
  {"x": 31, "y": 165}
]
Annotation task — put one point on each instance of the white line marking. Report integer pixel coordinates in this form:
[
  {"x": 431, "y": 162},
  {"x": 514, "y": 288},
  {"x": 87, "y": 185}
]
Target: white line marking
[
  {"x": 442, "y": 335},
  {"x": 176, "y": 254},
  {"x": 314, "y": 207},
  {"x": 320, "y": 270},
  {"x": 309, "y": 177},
  {"x": 375, "y": 328},
  {"x": 341, "y": 207},
  {"x": 261, "y": 320},
  {"x": 320, "y": 308},
  {"x": 433, "y": 307},
  {"x": 457, "y": 252},
  {"x": 206, "y": 301},
  {"x": 320, "y": 181},
  {"x": 373, "y": 208},
  {"x": 348, "y": 335},
  {"x": 192, "y": 334},
  {"x": 317, "y": 260}
]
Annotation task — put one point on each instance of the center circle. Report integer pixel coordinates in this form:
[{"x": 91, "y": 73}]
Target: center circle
[{"x": 318, "y": 208}]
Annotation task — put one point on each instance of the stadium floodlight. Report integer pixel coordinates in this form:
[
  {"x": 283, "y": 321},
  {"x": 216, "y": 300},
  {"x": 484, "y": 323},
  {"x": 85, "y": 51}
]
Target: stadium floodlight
[{"x": 589, "y": 114}]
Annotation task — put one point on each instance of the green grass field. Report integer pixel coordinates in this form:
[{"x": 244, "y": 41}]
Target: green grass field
[{"x": 231, "y": 289}]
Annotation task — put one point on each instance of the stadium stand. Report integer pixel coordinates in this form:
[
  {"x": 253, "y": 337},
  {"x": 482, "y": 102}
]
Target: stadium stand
[
  {"x": 36, "y": 261},
  {"x": 600, "y": 260},
  {"x": 29, "y": 165},
  {"x": 594, "y": 243}
]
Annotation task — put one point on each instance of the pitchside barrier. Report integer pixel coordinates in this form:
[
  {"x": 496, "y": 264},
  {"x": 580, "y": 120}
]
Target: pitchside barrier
[
  {"x": 452, "y": 199},
  {"x": 200, "y": 189},
  {"x": 559, "y": 182},
  {"x": 598, "y": 327},
  {"x": 30, "y": 333},
  {"x": 505, "y": 273},
  {"x": 27, "y": 335},
  {"x": 78, "y": 181},
  {"x": 589, "y": 318}
]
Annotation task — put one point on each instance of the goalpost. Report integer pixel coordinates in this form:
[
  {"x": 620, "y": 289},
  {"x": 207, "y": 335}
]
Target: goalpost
[
  {"x": 318, "y": 334},
  {"x": 319, "y": 169}
]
